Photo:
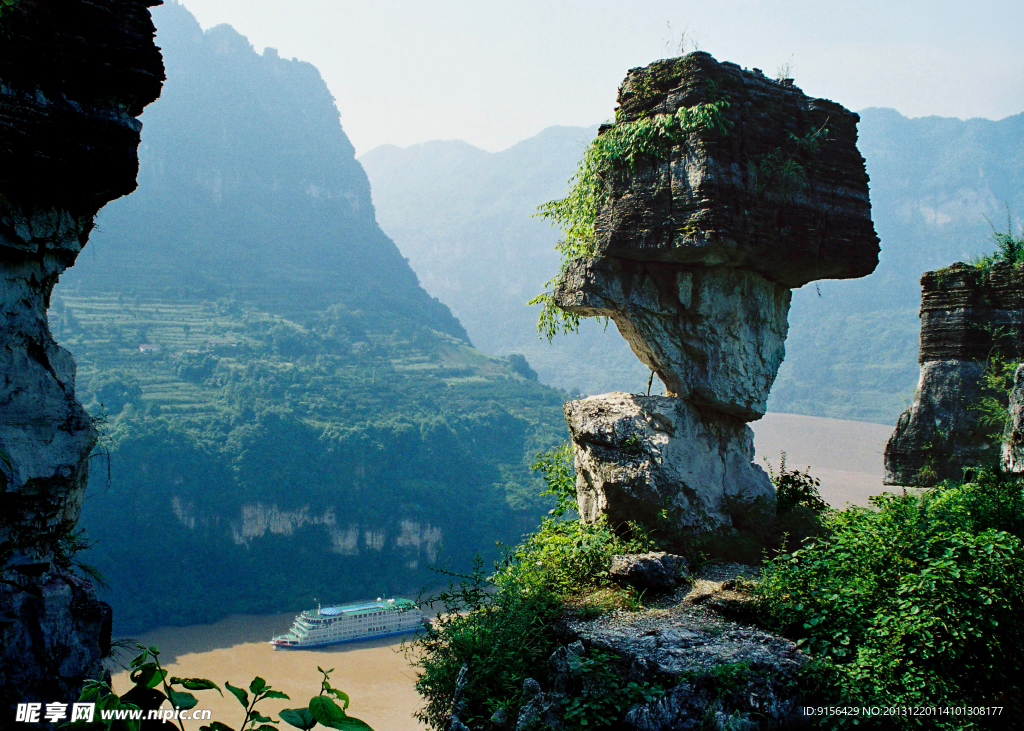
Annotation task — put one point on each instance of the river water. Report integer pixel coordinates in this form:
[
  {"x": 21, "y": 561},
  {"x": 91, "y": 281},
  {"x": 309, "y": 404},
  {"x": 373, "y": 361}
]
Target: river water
[{"x": 376, "y": 674}]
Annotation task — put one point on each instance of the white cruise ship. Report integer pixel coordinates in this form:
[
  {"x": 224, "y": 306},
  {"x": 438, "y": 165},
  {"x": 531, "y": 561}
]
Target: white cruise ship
[{"x": 348, "y": 622}]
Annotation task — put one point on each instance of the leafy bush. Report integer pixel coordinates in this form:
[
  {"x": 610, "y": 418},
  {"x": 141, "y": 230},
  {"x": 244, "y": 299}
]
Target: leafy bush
[
  {"x": 996, "y": 383},
  {"x": 500, "y": 626},
  {"x": 1009, "y": 248},
  {"x": 916, "y": 602},
  {"x": 795, "y": 489},
  {"x": 603, "y": 695}
]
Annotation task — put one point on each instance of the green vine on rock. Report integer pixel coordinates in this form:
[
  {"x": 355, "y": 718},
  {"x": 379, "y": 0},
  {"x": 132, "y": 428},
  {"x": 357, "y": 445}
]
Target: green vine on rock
[{"x": 622, "y": 146}]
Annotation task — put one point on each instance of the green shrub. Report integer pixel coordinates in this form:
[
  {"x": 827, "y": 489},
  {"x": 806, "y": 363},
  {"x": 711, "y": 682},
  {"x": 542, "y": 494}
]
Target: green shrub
[
  {"x": 602, "y": 695},
  {"x": 500, "y": 626},
  {"x": 1009, "y": 248},
  {"x": 916, "y": 602}
]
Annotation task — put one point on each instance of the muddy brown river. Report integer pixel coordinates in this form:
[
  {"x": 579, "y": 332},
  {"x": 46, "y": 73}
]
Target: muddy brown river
[{"x": 376, "y": 673}]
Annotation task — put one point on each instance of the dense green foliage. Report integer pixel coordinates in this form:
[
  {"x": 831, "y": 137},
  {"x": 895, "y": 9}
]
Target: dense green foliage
[
  {"x": 500, "y": 626},
  {"x": 604, "y": 694},
  {"x": 339, "y": 428},
  {"x": 916, "y": 602},
  {"x": 622, "y": 146},
  {"x": 152, "y": 687}
]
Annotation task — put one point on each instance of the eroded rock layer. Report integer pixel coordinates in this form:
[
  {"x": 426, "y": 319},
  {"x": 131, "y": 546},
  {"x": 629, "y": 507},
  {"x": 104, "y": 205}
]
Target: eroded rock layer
[
  {"x": 781, "y": 191},
  {"x": 715, "y": 336},
  {"x": 73, "y": 75},
  {"x": 969, "y": 315},
  {"x": 696, "y": 249}
]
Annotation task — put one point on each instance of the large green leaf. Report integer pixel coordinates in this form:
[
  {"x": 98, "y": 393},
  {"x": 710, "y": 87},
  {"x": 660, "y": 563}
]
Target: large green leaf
[
  {"x": 257, "y": 685},
  {"x": 298, "y": 717},
  {"x": 328, "y": 713},
  {"x": 148, "y": 675},
  {"x": 340, "y": 695},
  {"x": 140, "y": 658},
  {"x": 238, "y": 693},
  {"x": 180, "y": 699},
  {"x": 325, "y": 711},
  {"x": 196, "y": 684},
  {"x": 275, "y": 694}
]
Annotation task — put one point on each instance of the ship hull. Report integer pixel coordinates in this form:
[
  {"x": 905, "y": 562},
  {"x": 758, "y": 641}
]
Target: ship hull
[{"x": 346, "y": 641}]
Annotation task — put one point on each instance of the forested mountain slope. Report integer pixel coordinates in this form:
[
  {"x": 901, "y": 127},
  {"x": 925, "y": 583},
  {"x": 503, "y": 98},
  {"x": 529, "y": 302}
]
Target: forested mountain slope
[
  {"x": 852, "y": 346},
  {"x": 290, "y": 417}
]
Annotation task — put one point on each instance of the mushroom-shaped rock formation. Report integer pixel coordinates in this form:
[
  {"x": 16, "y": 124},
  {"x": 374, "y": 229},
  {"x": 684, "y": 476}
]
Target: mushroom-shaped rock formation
[
  {"x": 721, "y": 190},
  {"x": 968, "y": 315},
  {"x": 73, "y": 77}
]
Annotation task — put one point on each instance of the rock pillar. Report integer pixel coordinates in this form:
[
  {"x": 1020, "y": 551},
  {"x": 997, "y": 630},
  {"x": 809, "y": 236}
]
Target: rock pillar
[
  {"x": 73, "y": 78},
  {"x": 968, "y": 316},
  {"x": 696, "y": 250}
]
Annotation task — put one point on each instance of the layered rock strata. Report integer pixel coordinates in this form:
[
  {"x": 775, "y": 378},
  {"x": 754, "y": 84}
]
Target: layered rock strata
[
  {"x": 969, "y": 315},
  {"x": 696, "y": 250},
  {"x": 73, "y": 77}
]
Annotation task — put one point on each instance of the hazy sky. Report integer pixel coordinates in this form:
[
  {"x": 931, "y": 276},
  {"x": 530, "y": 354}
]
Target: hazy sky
[{"x": 493, "y": 73}]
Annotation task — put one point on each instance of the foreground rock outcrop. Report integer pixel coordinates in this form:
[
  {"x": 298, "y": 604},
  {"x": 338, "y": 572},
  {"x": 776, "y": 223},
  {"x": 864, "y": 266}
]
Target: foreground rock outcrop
[
  {"x": 968, "y": 316},
  {"x": 695, "y": 253},
  {"x": 711, "y": 670},
  {"x": 73, "y": 77}
]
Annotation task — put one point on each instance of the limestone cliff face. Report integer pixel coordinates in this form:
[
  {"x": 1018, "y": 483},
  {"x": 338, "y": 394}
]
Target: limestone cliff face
[
  {"x": 695, "y": 256},
  {"x": 966, "y": 314},
  {"x": 73, "y": 76}
]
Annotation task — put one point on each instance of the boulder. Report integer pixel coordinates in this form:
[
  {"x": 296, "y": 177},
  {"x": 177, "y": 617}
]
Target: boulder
[
  {"x": 715, "y": 670},
  {"x": 636, "y": 456},
  {"x": 657, "y": 572}
]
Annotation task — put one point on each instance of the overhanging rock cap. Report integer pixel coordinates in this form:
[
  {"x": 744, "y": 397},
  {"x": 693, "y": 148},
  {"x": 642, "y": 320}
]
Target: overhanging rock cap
[{"x": 779, "y": 188}]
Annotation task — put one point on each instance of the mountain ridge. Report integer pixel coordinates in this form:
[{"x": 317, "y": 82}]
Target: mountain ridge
[
  {"x": 933, "y": 181},
  {"x": 287, "y": 414}
]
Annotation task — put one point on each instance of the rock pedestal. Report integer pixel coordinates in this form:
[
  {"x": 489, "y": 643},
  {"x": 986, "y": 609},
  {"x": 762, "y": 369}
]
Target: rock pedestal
[
  {"x": 968, "y": 315},
  {"x": 696, "y": 250},
  {"x": 637, "y": 456},
  {"x": 73, "y": 77}
]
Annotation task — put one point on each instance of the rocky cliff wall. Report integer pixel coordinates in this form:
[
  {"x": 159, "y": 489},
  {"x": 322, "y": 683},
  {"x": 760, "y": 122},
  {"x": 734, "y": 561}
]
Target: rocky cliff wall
[
  {"x": 73, "y": 77},
  {"x": 696, "y": 249},
  {"x": 968, "y": 315}
]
